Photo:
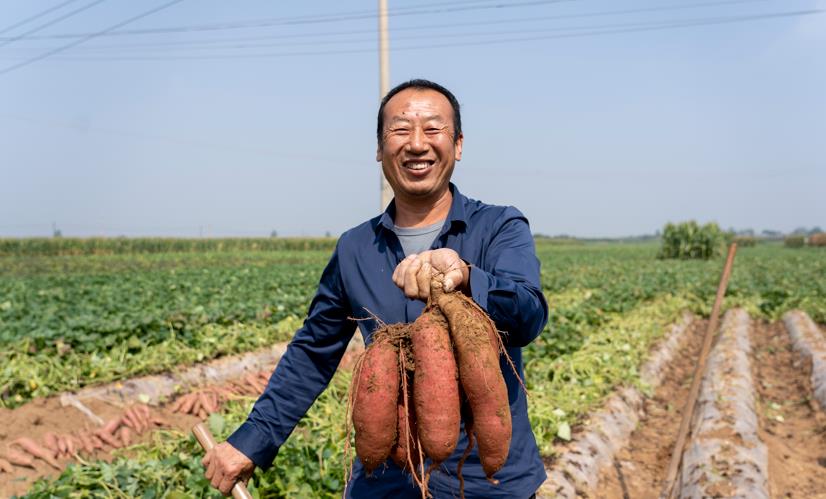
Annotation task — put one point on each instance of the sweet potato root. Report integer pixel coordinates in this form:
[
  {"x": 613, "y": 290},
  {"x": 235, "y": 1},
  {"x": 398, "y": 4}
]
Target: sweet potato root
[
  {"x": 406, "y": 433},
  {"x": 18, "y": 458},
  {"x": 37, "y": 451},
  {"x": 6, "y": 466},
  {"x": 477, "y": 355},
  {"x": 375, "y": 413},
  {"x": 435, "y": 386}
]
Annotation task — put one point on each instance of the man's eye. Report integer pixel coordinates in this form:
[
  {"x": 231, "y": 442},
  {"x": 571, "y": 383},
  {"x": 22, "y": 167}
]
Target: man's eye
[
  {"x": 432, "y": 131},
  {"x": 400, "y": 131}
]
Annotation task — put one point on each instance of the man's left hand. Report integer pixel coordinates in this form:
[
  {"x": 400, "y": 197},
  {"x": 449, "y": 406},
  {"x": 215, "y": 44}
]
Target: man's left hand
[{"x": 414, "y": 273}]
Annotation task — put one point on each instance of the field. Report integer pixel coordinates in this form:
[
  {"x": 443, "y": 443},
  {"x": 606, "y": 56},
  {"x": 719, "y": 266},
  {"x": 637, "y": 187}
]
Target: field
[{"x": 74, "y": 316}]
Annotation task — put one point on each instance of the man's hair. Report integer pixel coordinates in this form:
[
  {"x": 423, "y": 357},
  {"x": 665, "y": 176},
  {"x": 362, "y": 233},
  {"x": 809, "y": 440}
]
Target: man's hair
[{"x": 421, "y": 84}]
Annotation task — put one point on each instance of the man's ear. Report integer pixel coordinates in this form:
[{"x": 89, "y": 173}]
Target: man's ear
[
  {"x": 458, "y": 146},
  {"x": 378, "y": 152}
]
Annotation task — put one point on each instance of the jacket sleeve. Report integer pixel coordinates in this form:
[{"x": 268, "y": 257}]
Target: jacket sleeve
[
  {"x": 507, "y": 283},
  {"x": 304, "y": 371}
]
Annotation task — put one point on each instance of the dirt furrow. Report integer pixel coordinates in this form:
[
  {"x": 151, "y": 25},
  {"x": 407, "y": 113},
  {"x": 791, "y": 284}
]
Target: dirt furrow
[
  {"x": 792, "y": 424},
  {"x": 576, "y": 471},
  {"x": 809, "y": 341},
  {"x": 640, "y": 467}
]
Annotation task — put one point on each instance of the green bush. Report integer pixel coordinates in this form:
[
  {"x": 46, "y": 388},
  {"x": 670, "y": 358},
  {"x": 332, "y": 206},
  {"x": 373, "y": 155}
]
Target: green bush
[
  {"x": 794, "y": 241},
  {"x": 745, "y": 241},
  {"x": 689, "y": 240}
]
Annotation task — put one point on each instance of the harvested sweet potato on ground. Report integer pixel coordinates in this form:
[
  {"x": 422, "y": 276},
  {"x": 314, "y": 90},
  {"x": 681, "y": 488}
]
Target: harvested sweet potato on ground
[
  {"x": 19, "y": 458},
  {"x": 37, "y": 451}
]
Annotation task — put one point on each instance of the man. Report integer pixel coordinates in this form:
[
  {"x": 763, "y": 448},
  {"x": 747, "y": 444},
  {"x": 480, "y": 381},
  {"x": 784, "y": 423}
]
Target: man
[{"x": 385, "y": 266}]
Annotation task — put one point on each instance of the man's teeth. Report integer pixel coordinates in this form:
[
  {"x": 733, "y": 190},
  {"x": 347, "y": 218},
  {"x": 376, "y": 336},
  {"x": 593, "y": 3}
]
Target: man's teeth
[{"x": 417, "y": 166}]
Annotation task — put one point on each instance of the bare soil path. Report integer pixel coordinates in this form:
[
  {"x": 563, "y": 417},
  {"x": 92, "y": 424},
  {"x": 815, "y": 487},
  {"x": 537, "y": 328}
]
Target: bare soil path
[
  {"x": 792, "y": 424},
  {"x": 640, "y": 468}
]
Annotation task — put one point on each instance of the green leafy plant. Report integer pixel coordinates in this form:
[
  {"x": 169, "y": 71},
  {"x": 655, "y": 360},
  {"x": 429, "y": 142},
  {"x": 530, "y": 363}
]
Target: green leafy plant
[{"x": 689, "y": 240}]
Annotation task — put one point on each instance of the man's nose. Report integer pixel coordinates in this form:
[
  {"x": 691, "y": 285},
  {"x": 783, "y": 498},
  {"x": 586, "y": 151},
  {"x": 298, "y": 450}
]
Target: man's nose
[{"x": 418, "y": 141}]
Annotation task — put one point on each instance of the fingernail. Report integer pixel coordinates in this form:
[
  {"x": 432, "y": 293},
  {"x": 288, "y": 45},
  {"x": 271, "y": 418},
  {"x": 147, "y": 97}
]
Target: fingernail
[{"x": 448, "y": 284}]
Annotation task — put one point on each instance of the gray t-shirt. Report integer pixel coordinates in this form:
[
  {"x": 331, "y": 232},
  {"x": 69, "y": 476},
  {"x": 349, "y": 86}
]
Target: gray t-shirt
[{"x": 417, "y": 239}]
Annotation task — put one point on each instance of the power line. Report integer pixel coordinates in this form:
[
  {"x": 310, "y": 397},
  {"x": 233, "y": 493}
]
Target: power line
[
  {"x": 36, "y": 16},
  {"x": 640, "y": 24},
  {"x": 50, "y": 23},
  {"x": 352, "y": 16},
  {"x": 587, "y": 32},
  {"x": 209, "y": 43},
  {"x": 86, "y": 38}
]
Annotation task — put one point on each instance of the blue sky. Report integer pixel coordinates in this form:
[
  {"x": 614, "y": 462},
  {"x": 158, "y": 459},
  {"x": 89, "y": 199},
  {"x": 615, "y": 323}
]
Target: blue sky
[{"x": 252, "y": 116}]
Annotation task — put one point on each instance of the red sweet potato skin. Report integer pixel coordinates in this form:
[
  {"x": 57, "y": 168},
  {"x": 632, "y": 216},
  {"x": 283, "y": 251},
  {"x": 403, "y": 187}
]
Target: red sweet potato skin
[
  {"x": 477, "y": 356},
  {"x": 375, "y": 412},
  {"x": 436, "y": 391}
]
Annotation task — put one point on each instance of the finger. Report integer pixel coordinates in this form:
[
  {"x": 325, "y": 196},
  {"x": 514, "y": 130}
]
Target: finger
[
  {"x": 398, "y": 273},
  {"x": 226, "y": 486},
  {"x": 411, "y": 286},
  {"x": 423, "y": 278},
  {"x": 217, "y": 478},
  {"x": 210, "y": 470},
  {"x": 452, "y": 279},
  {"x": 207, "y": 459}
]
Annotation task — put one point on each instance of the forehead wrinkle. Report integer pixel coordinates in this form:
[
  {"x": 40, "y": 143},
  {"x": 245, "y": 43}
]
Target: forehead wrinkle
[{"x": 427, "y": 117}]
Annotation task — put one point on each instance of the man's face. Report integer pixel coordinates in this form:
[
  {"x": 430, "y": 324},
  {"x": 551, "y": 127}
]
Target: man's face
[{"x": 418, "y": 152}]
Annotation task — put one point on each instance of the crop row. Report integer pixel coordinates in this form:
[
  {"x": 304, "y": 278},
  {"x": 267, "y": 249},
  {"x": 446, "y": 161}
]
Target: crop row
[{"x": 66, "y": 322}]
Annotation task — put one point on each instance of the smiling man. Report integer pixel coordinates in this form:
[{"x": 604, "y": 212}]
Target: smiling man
[{"x": 385, "y": 265}]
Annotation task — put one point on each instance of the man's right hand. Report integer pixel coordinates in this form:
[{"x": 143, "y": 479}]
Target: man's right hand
[{"x": 226, "y": 465}]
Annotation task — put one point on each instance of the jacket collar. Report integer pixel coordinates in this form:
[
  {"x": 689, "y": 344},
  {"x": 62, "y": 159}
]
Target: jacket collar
[{"x": 456, "y": 215}]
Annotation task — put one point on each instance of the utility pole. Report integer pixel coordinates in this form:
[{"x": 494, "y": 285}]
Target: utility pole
[{"x": 384, "y": 86}]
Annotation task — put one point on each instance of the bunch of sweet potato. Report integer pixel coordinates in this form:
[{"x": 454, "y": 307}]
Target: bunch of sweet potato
[{"x": 444, "y": 362}]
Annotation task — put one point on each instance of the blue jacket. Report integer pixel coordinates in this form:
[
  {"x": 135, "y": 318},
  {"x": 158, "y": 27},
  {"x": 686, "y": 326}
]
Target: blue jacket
[{"x": 504, "y": 280}]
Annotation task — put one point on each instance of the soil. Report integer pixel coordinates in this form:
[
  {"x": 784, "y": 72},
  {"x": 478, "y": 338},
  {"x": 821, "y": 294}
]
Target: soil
[
  {"x": 639, "y": 469},
  {"x": 792, "y": 424},
  {"x": 39, "y": 416}
]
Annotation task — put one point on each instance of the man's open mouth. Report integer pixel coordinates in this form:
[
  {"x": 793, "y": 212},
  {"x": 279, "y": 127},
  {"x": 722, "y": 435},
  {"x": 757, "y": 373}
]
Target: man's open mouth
[{"x": 417, "y": 165}]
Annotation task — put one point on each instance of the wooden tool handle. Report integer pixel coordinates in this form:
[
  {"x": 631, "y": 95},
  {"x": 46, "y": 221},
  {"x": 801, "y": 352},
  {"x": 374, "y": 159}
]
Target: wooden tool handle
[{"x": 204, "y": 437}]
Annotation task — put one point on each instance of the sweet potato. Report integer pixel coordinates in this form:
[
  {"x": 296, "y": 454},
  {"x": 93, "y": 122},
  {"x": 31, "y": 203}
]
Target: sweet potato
[
  {"x": 130, "y": 420},
  {"x": 50, "y": 441},
  {"x": 108, "y": 438},
  {"x": 6, "y": 466},
  {"x": 111, "y": 425},
  {"x": 86, "y": 442},
  {"x": 188, "y": 403},
  {"x": 125, "y": 435},
  {"x": 477, "y": 354},
  {"x": 405, "y": 433},
  {"x": 435, "y": 386},
  {"x": 97, "y": 442},
  {"x": 18, "y": 458},
  {"x": 37, "y": 451},
  {"x": 375, "y": 415},
  {"x": 62, "y": 445}
]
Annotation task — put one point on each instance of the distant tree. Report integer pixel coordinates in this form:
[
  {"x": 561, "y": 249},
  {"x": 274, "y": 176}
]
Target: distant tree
[
  {"x": 274, "y": 233},
  {"x": 688, "y": 240},
  {"x": 327, "y": 234},
  {"x": 771, "y": 234},
  {"x": 800, "y": 231},
  {"x": 815, "y": 230}
]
